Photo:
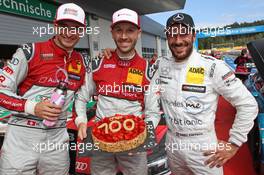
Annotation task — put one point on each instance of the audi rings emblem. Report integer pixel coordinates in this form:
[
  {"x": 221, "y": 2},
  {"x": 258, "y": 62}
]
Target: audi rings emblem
[{"x": 81, "y": 166}]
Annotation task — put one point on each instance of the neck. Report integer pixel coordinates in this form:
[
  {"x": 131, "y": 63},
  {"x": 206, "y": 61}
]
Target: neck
[{"x": 126, "y": 56}]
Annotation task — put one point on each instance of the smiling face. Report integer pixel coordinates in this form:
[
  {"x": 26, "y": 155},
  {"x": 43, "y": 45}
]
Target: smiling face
[
  {"x": 180, "y": 41},
  {"x": 125, "y": 36},
  {"x": 68, "y": 34}
]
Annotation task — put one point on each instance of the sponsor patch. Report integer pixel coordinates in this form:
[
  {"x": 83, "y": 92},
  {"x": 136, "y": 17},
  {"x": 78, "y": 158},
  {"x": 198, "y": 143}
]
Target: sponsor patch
[
  {"x": 46, "y": 56},
  {"x": 229, "y": 82},
  {"x": 211, "y": 74},
  {"x": 111, "y": 66},
  {"x": 2, "y": 78},
  {"x": 193, "y": 105},
  {"x": 165, "y": 77},
  {"x": 135, "y": 76},
  {"x": 193, "y": 88},
  {"x": 75, "y": 69},
  {"x": 14, "y": 61},
  {"x": 8, "y": 70},
  {"x": 124, "y": 63},
  {"x": 31, "y": 123},
  {"x": 227, "y": 75},
  {"x": 70, "y": 11},
  {"x": 75, "y": 77},
  {"x": 195, "y": 75},
  {"x": 165, "y": 70}
]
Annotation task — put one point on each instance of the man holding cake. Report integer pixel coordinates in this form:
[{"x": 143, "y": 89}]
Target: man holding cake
[{"x": 121, "y": 83}]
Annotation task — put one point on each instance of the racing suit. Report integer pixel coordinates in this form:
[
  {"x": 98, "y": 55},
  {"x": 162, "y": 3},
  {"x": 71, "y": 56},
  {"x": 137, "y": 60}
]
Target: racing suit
[
  {"x": 30, "y": 77},
  {"x": 189, "y": 94},
  {"x": 122, "y": 86}
]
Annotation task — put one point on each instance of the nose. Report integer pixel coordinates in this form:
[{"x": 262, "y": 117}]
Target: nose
[
  {"x": 177, "y": 38},
  {"x": 70, "y": 33},
  {"x": 124, "y": 35}
]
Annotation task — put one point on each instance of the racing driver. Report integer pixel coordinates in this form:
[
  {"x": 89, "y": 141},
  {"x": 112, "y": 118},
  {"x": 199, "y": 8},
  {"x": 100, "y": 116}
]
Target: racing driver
[
  {"x": 26, "y": 85},
  {"x": 191, "y": 85},
  {"x": 121, "y": 83}
]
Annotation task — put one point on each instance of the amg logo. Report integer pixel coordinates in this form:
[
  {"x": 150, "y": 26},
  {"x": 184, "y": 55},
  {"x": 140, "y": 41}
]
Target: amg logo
[
  {"x": 135, "y": 71},
  {"x": 192, "y": 88},
  {"x": 197, "y": 70}
]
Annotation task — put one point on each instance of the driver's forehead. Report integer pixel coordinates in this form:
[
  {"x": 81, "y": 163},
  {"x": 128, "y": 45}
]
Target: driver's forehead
[
  {"x": 69, "y": 23},
  {"x": 124, "y": 25},
  {"x": 179, "y": 26}
]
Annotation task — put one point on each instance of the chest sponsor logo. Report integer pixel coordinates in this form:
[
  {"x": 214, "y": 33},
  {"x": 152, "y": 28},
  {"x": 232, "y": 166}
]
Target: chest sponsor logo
[
  {"x": 74, "y": 77},
  {"x": 184, "y": 122},
  {"x": 165, "y": 71},
  {"x": 193, "y": 88},
  {"x": 49, "y": 81},
  {"x": 46, "y": 56},
  {"x": 193, "y": 105},
  {"x": 75, "y": 68},
  {"x": 195, "y": 75},
  {"x": 124, "y": 63},
  {"x": 135, "y": 76},
  {"x": 111, "y": 66}
]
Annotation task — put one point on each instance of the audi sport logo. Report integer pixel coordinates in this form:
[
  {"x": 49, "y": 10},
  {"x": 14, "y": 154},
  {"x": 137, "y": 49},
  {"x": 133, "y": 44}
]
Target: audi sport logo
[{"x": 81, "y": 166}]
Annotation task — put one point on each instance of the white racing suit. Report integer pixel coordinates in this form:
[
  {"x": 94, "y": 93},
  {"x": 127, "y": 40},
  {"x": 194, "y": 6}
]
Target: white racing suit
[{"x": 189, "y": 94}]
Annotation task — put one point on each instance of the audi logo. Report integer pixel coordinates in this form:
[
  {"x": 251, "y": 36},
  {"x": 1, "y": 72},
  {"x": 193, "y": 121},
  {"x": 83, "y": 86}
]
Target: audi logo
[{"x": 81, "y": 166}]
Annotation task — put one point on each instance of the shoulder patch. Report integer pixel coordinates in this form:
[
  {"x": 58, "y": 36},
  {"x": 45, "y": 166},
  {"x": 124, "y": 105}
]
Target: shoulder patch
[
  {"x": 28, "y": 50},
  {"x": 151, "y": 69},
  {"x": 212, "y": 70},
  {"x": 208, "y": 57},
  {"x": 96, "y": 63},
  {"x": 86, "y": 61}
]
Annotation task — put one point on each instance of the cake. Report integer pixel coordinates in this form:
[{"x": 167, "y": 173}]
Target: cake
[{"x": 119, "y": 133}]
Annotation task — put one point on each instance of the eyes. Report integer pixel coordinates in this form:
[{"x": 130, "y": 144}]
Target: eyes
[{"x": 129, "y": 30}]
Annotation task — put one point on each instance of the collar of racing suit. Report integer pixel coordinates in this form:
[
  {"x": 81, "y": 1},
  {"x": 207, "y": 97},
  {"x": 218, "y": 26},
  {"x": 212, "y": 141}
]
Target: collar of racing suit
[
  {"x": 124, "y": 63},
  {"x": 183, "y": 64},
  {"x": 63, "y": 53}
]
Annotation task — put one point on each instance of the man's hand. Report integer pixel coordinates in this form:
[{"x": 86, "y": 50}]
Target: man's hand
[
  {"x": 107, "y": 53},
  {"x": 82, "y": 128},
  {"x": 221, "y": 155},
  {"x": 47, "y": 110}
]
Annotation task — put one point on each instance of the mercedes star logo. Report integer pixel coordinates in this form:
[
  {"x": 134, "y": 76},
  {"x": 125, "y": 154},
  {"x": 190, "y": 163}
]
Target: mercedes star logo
[{"x": 178, "y": 17}]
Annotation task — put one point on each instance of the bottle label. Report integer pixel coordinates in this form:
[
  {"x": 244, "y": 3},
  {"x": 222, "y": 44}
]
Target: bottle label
[{"x": 58, "y": 99}]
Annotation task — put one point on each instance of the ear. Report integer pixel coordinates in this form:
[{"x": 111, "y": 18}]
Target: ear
[
  {"x": 111, "y": 30},
  {"x": 139, "y": 33},
  {"x": 194, "y": 36}
]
